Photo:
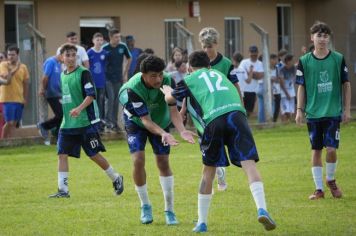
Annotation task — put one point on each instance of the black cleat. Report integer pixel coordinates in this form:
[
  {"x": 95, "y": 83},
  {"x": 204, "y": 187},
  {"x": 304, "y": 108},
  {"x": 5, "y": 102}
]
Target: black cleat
[
  {"x": 119, "y": 185},
  {"x": 60, "y": 194}
]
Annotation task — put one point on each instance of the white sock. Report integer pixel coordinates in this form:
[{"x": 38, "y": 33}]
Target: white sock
[
  {"x": 203, "y": 207},
  {"x": 318, "y": 177},
  {"x": 220, "y": 174},
  {"x": 167, "y": 184},
  {"x": 111, "y": 173},
  {"x": 143, "y": 194},
  {"x": 330, "y": 170},
  {"x": 63, "y": 181},
  {"x": 258, "y": 194}
]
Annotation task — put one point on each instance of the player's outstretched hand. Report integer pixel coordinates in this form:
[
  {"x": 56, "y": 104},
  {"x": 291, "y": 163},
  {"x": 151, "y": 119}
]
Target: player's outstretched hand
[
  {"x": 168, "y": 139},
  {"x": 167, "y": 91},
  {"x": 188, "y": 136}
]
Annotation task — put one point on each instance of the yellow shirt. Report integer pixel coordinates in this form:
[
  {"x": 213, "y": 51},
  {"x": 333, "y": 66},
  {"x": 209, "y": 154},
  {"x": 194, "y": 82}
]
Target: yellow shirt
[{"x": 13, "y": 92}]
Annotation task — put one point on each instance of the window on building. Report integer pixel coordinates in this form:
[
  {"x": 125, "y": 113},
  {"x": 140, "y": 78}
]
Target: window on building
[
  {"x": 172, "y": 37},
  {"x": 284, "y": 23},
  {"x": 233, "y": 35}
]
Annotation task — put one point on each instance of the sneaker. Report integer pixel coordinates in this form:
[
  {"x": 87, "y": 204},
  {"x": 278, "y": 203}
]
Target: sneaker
[
  {"x": 264, "y": 218},
  {"x": 317, "y": 194},
  {"x": 202, "y": 227},
  {"x": 119, "y": 185},
  {"x": 170, "y": 218},
  {"x": 222, "y": 185},
  {"x": 60, "y": 194},
  {"x": 334, "y": 189},
  {"x": 146, "y": 214},
  {"x": 42, "y": 131}
]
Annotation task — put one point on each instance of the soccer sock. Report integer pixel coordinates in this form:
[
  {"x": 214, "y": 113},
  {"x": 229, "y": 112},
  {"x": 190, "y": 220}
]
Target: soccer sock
[
  {"x": 220, "y": 174},
  {"x": 330, "y": 170},
  {"x": 318, "y": 177},
  {"x": 143, "y": 194},
  {"x": 63, "y": 181},
  {"x": 167, "y": 184},
  {"x": 203, "y": 207},
  {"x": 258, "y": 194},
  {"x": 111, "y": 173}
]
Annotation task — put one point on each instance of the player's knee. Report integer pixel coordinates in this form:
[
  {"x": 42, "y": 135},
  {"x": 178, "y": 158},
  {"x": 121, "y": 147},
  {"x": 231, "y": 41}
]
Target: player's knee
[{"x": 330, "y": 150}]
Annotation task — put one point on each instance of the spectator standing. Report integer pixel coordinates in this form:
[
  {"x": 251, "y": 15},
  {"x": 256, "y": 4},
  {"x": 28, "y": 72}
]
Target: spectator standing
[
  {"x": 82, "y": 56},
  {"x": 276, "y": 86},
  {"x": 51, "y": 90},
  {"x": 177, "y": 55},
  {"x": 14, "y": 95},
  {"x": 116, "y": 75},
  {"x": 97, "y": 60},
  {"x": 135, "y": 53}
]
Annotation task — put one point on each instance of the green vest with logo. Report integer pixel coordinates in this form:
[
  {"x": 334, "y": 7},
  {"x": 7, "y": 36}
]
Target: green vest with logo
[
  {"x": 214, "y": 93},
  {"x": 323, "y": 85},
  {"x": 72, "y": 97},
  {"x": 157, "y": 107}
]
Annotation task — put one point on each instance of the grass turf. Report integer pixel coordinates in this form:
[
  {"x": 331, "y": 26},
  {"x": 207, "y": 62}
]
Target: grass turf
[{"x": 28, "y": 175}]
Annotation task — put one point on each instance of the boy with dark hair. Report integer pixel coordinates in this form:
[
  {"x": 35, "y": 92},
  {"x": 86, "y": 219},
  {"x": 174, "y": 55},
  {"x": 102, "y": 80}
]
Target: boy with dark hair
[
  {"x": 79, "y": 123},
  {"x": 324, "y": 96},
  {"x": 220, "y": 118},
  {"x": 147, "y": 115}
]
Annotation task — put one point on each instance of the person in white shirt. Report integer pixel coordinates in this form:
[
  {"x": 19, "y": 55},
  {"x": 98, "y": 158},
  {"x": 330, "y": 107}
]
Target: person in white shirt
[
  {"x": 276, "y": 86},
  {"x": 256, "y": 66},
  {"x": 82, "y": 56}
]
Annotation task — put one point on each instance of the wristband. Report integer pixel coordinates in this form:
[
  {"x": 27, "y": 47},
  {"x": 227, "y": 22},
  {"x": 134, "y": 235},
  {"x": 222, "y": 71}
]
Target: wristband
[{"x": 299, "y": 108}]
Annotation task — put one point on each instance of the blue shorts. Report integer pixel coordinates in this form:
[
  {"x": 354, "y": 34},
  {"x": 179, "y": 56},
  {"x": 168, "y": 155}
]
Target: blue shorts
[
  {"x": 12, "y": 111},
  {"x": 137, "y": 137},
  {"x": 70, "y": 144},
  {"x": 229, "y": 130},
  {"x": 324, "y": 133}
]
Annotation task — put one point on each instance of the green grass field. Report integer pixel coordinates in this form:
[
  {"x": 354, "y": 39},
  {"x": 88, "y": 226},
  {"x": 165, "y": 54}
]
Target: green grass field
[{"x": 28, "y": 175}]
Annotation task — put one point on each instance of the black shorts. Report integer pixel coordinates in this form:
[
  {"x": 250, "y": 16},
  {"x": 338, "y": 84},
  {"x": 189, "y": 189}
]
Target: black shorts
[
  {"x": 70, "y": 144},
  {"x": 324, "y": 133},
  {"x": 229, "y": 130},
  {"x": 249, "y": 101}
]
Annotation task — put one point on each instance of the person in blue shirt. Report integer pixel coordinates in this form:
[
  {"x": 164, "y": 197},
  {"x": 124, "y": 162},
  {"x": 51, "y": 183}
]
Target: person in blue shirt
[
  {"x": 51, "y": 89},
  {"x": 97, "y": 62},
  {"x": 135, "y": 53},
  {"x": 115, "y": 75}
]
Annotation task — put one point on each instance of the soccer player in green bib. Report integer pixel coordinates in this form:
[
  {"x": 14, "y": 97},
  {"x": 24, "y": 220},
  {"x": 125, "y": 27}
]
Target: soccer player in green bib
[
  {"x": 80, "y": 123},
  {"x": 147, "y": 115},
  {"x": 208, "y": 38},
  {"x": 220, "y": 118},
  {"x": 324, "y": 95}
]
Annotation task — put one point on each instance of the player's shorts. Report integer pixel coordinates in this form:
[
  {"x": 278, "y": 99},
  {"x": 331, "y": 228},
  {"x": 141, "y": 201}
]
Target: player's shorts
[
  {"x": 287, "y": 105},
  {"x": 229, "y": 130},
  {"x": 12, "y": 111},
  {"x": 324, "y": 132},
  {"x": 137, "y": 137},
  {"x": 249, "y": 99},
  {"x": 89, "y": 140}
]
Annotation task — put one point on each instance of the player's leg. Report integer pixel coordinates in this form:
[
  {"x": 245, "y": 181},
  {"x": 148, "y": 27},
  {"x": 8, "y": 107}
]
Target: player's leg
[
  {"x": 331, "y": 139},
  {"x": 221, "y": 176},
  {"x": 243, "y": 152},
  {"x": 166, "y": 177},
  {"x": 316, "y": 140},
  {"x": 92, "y": 146}
]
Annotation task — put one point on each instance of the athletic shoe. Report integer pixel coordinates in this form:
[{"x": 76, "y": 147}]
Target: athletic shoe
[
  {"x": 264, "y": 218},
  {"x": 222, "y": 185},
  {"x": 170, "y": 218},
  {"x": 201, "y": 228},
  {"x": 119, "y": 185},
  {"x": 334, "y": 189},
  {"x": 42, "y": 131},
  {"x": 146, "y": 214},
  {"x": 317, "y": 194},
  {"x": 60, "y": 194}
]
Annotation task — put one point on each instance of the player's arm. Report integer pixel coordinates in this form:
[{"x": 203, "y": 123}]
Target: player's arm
[
  {"x": 346, "y": 88},
  {"x": 89, "y": 90},
  {"x": 300, "y": 80}
]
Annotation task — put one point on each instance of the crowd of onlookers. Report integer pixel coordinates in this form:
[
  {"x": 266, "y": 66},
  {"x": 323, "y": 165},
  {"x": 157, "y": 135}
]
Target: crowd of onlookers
[{"x": 112, "y": 63}]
